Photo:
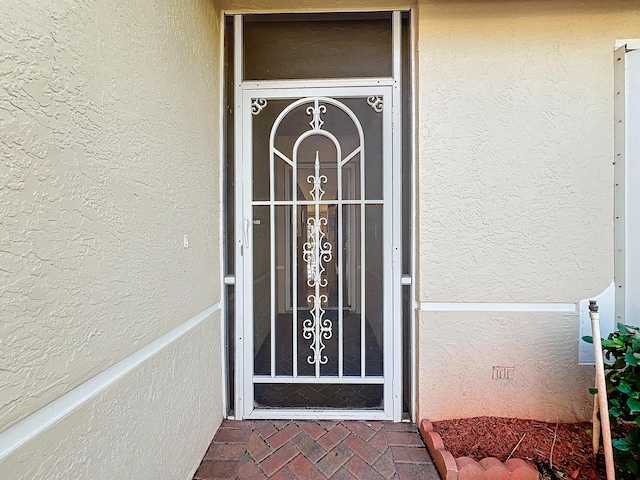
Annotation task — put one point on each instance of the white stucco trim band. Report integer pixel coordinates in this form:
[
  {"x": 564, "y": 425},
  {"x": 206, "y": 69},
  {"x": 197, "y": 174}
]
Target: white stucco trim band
[
  {"x": 28, "y": 428},
  {"x": 497, "y": 307}
]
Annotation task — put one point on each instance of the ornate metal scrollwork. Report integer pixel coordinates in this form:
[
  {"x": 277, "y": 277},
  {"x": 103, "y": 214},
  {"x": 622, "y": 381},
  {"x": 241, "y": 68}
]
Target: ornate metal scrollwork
[
  {"x": 316, "y": 252},
  {"x": 316, "y": 110},
  {"x": 257, "y": 105},
  {"x": 375, "y": 102},
  {"x": 317, "y": 329}
]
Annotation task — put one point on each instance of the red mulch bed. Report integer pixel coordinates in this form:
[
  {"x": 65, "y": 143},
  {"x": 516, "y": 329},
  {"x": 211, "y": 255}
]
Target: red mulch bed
[{"x": 482, "y": 437}]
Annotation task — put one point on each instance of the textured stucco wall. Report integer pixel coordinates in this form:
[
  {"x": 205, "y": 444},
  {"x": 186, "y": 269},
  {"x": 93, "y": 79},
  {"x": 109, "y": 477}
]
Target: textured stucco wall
[
  {"x": 516, "y": 148},
  {"x": 110, "y": 145},
  {"x": 456, "y": 368},
  {"x": 515, "y": 196},
  {"x": 154, "y": 423}
]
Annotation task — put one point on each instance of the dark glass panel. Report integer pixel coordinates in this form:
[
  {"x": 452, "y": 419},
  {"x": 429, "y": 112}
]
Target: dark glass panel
[
  {"x": 291, "y": 395},
  {"x": 374, "y": 289},
  {"x": 290, "y": 46},
  {"x": 261, "y": 287}
]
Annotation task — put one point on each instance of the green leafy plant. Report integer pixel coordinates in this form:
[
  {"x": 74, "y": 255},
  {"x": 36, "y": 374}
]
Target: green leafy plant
[{"x": 622, "y": 350}]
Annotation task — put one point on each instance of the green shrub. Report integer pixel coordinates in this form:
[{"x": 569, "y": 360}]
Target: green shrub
[{"x": 622, "y": 350}]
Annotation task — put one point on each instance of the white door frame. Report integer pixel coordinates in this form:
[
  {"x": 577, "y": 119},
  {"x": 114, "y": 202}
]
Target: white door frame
[{"x": 245, "y": 91}]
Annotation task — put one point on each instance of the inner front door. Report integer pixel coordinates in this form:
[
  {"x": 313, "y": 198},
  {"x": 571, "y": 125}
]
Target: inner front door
[{"x": 315, "y": 244}]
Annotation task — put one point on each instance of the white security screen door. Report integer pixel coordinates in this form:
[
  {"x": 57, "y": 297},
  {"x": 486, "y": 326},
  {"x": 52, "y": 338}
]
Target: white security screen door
[{"x": 317, "y": 248}]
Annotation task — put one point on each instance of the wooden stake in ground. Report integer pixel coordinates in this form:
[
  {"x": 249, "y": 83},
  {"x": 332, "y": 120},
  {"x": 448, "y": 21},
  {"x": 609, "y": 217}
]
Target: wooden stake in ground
[{"x": 601, "y": 385}]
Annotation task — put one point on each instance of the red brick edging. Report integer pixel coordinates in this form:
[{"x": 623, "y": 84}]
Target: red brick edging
[{"x": 466, "y": 468}]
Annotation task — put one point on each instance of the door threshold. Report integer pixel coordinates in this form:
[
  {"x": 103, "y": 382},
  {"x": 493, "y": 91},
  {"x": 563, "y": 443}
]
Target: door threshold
[{"x": 317, "y": 414}]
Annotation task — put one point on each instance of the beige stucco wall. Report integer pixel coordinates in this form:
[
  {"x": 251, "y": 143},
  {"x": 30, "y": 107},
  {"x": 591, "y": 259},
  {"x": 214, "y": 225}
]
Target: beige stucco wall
[
  {"x": 515, "y": 175},
  {"x": 110, "y": 143},
  {"x": 547, "y": 384}
]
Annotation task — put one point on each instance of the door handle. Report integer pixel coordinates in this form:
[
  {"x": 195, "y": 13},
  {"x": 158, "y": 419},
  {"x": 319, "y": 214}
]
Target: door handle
[{"x": 247, "y": 226}]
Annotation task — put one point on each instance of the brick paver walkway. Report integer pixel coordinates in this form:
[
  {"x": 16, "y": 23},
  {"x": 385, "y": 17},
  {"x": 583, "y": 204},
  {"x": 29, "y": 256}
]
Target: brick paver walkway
[{"x": 310, "y": 450}]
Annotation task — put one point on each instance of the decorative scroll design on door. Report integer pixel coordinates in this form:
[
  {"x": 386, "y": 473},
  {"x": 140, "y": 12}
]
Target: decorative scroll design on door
[
  {"x": 376, "y": 103},
  {"x": 257, "y": 105},
  {"x": 316, "y": 110},
  {"x": 316, "y": 251}
]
